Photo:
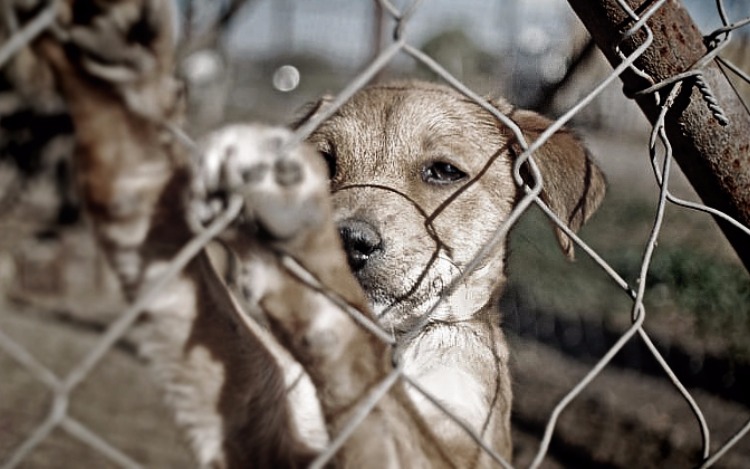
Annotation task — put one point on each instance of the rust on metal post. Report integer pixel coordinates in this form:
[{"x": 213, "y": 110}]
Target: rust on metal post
[{"x": 714, "y": 157}]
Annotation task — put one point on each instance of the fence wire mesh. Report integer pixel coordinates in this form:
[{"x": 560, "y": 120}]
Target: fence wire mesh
[{"x": 660, "y": 150}]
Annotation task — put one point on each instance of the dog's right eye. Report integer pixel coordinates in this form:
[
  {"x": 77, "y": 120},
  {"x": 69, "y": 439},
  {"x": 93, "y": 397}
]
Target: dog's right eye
[{"x": 330, "y": 158}]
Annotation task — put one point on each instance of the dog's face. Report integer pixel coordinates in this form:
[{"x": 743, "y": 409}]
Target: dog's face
[{"x": 421, "y": 178}]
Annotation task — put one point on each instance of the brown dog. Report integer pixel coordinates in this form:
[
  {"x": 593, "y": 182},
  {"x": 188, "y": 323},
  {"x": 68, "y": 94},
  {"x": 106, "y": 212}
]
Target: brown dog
[
  {"x": 421, "y": 178},
  {"x": 270, "y": 375}
]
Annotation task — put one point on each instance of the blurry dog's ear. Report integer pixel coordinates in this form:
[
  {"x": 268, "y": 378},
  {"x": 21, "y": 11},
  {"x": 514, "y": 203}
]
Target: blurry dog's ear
[
  {"x": 573, "y": 186},
  {"x": 309, "y": 111}
]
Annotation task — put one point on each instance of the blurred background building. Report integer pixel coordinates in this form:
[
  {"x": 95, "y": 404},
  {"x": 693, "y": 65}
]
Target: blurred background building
[{"x": 281, "y": 53}]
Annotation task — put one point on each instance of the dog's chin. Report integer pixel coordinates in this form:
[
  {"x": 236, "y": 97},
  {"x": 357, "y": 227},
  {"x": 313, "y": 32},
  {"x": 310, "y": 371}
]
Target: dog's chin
[
  {"x": 395, "y": 305},
  {"x": 403, "y": 296},
  {"x": 396, "y": 317}
]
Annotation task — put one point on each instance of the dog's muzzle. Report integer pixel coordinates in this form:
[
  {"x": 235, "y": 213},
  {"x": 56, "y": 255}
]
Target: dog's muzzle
[{"x": 362, "y": 242}]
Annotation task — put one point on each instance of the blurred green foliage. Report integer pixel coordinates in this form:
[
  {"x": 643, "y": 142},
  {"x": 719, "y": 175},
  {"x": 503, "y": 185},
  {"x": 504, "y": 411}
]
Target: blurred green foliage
[
  {"x": 687, "y": 279},
  {"x": 714, "y": 292}
]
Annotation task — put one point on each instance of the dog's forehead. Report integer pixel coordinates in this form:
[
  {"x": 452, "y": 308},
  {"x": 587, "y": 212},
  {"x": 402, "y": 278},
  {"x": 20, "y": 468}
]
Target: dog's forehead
[
  {"x": 411, "y": 120},
  {"x": 406, "y": 109}
]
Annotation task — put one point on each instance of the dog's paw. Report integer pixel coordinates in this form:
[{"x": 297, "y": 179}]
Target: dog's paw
[
  {"x": 120, "y": 41},
  {"x": 283, "y": 189},
  {"x": 127, "y": 45}
]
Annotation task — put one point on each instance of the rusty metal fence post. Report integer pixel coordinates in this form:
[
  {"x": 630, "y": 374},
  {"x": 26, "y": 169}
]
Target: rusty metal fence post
[{"x": 712, "y": 148}]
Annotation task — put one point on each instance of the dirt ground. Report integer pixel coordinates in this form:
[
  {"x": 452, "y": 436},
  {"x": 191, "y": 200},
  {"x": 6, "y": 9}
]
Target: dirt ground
[{"x": 57, "y": 296}]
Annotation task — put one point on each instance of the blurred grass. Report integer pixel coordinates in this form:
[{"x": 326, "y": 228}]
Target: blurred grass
[
  {"x": 715, "y": 293},
  {"x": 694, "y": 278}
]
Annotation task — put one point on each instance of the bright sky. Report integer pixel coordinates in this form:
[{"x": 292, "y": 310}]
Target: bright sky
[{"x": 342, "y": 30}]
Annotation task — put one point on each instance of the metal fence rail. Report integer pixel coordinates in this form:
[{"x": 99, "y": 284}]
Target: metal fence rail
[{"x": 661, "y": 152}]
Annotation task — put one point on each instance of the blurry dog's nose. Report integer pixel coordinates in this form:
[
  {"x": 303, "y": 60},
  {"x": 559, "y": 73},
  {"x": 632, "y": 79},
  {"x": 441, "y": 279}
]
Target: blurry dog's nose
[{"x": 362, "y": 242}]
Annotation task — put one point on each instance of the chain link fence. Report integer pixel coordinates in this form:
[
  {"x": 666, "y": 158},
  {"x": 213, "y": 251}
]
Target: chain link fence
[{"x": 663, "y": 95}]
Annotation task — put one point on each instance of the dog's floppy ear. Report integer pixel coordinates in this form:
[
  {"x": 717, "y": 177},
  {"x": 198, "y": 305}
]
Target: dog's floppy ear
[{"x": 573, "y": 185}]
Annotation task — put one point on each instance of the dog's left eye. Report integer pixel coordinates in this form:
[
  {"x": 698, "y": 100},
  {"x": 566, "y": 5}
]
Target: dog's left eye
[{"x": 440, "y": 172}]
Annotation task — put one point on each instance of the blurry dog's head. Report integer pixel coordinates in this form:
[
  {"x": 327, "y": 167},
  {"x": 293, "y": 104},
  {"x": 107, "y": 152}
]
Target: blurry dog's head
[{"x": 421, "y": 178}]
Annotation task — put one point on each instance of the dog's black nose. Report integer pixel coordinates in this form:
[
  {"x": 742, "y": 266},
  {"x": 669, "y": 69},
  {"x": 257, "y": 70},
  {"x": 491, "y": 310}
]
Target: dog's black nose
[{"x": 361, "y": 242}]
